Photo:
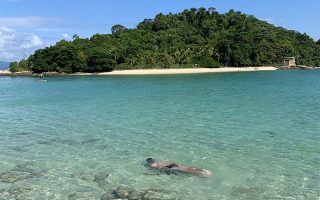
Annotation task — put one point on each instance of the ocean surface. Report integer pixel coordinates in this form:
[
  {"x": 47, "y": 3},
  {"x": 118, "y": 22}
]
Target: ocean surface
[{"x": 81, "y": 137}]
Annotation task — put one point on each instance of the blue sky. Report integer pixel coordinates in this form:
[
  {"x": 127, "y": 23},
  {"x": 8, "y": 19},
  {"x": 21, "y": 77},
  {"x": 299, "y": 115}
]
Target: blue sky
[{"x": 26, "y": 25}]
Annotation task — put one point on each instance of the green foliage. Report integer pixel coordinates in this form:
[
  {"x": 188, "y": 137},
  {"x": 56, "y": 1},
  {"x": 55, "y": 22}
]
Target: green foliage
[
  {"x": 193, "y": 38},
  {"x": 21, "y": 66},
  {"x": 207, "y": 62},
  {"x": 117, "y": 28},
  {"x": 14, "y": 67}
]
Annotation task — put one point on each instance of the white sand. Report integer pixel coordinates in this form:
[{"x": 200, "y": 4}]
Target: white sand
[
  {"x": 185, "y": 71},
  {"x": 3, "y": 72},
  {"x": 172, "y": 71}
]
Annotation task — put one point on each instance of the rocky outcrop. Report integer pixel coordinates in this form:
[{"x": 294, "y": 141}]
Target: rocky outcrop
[{"x": 132, "y": 194}]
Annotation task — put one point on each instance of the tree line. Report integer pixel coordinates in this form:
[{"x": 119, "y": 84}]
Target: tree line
[{"x": 193, "y": 38}]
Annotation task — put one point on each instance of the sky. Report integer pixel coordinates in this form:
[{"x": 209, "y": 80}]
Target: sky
[{"x": 26, "y": 25}]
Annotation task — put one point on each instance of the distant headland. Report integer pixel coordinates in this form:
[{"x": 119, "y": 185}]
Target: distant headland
[{"x": 194, "y": 38}]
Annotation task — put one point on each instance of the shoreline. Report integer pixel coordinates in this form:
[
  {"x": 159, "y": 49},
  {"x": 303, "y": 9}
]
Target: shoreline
[
  {"x": 174, "y": 71},
  {"x": 178, "y": 71},
  {"x": 148, "y": 71}
]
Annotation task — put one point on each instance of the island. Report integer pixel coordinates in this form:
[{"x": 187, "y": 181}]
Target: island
[{"x": 195, "y": 38}]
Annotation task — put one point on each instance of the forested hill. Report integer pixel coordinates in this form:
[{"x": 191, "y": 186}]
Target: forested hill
[{"x": 193, "y": 38}]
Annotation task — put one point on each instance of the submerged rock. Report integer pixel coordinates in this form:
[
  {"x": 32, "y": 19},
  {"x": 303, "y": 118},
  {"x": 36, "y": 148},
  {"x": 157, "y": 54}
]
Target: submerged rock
[
  {"x": 99, "y": 177},
  {"x": 4, "y": 194},
  {"x": 136, "y": 195},
  {"x": 20, "y": 172},
  {"x": 153, "y": 194},
  {"x": 108, "y": 196},
  {"x": 84, "y": 195},
  {"x": 131, "y": 194},
  {"x": 14, "y": 176},
  {"x": 123, "y": 192},
  {"x": 21, "y": 193}
]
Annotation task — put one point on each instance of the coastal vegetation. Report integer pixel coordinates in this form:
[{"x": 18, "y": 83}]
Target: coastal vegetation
[{"x": 193, "y": 38}]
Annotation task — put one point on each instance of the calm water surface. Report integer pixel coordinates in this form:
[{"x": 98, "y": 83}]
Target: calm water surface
[{"x": 79, "y": 137}]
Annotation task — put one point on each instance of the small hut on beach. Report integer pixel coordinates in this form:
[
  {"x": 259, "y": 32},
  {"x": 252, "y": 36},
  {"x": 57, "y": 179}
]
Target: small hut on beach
[{"x": 289, "y": 61}]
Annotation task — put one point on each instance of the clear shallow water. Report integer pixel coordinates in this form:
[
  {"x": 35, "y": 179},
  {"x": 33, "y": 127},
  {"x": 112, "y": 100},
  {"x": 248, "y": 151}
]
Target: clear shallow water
[{"x": 259, "y": 133}]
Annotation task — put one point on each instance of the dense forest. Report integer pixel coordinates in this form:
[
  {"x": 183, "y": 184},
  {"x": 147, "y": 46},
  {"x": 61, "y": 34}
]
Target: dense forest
[{"x": 193, "y": 38}]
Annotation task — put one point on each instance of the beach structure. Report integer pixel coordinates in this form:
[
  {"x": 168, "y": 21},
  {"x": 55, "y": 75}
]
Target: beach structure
[{"x": 289, "y": 61}]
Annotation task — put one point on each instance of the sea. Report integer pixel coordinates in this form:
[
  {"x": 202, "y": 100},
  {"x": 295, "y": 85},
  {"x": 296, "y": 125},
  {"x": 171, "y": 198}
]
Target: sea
[{"x": 87, "y": 137}]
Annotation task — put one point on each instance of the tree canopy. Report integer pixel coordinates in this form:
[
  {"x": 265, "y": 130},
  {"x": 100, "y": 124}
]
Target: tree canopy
[{"x": 193, "y": 38}]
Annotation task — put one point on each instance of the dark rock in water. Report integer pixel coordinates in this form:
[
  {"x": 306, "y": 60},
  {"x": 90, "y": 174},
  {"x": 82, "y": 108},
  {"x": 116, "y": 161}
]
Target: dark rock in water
[
  {"x": 158, "y": 195},
  {"x": 14, "y": 176},
  {"x": 131, "y": 194},
  {"x": 4, "y": 194},
  {"x": 84, "y": 195},
  {"x": 19, "y": 173},
  {"x": 100, "y": 177},
  {"x": 26, "y": 168},
  {"x": 108, "y": 196},
  {"x": 21, "y": 193},
  {"x": 122, "y": 192},
  {"x": 136, "y": 195}
]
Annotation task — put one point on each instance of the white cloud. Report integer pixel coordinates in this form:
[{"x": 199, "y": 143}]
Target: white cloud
[
  {"x": 26, "y": 21},
  {"x": 66, "y": 36},
  {"x": 32, "y": 41},
  {"x": 50, "y": 29},
  {"x": 16, "y": 45},
  {"x": 269, "y": 20}
]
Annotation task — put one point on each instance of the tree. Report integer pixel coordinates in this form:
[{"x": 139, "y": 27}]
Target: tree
[
  {"x": 117, "y": 29},
  {"x": 75, "y": 37},
  {"x": 99, "y": 60}
]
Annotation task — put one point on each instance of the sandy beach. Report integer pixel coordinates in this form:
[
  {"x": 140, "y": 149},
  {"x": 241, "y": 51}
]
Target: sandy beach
[
  {"x": 186, "y": 71},
  {"x": 5, "y": 73},
  {"x": 154, "y": 71}
]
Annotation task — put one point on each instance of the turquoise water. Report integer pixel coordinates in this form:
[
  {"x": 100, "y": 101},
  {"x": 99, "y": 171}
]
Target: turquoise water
[{"x": 79, "y": 137}]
